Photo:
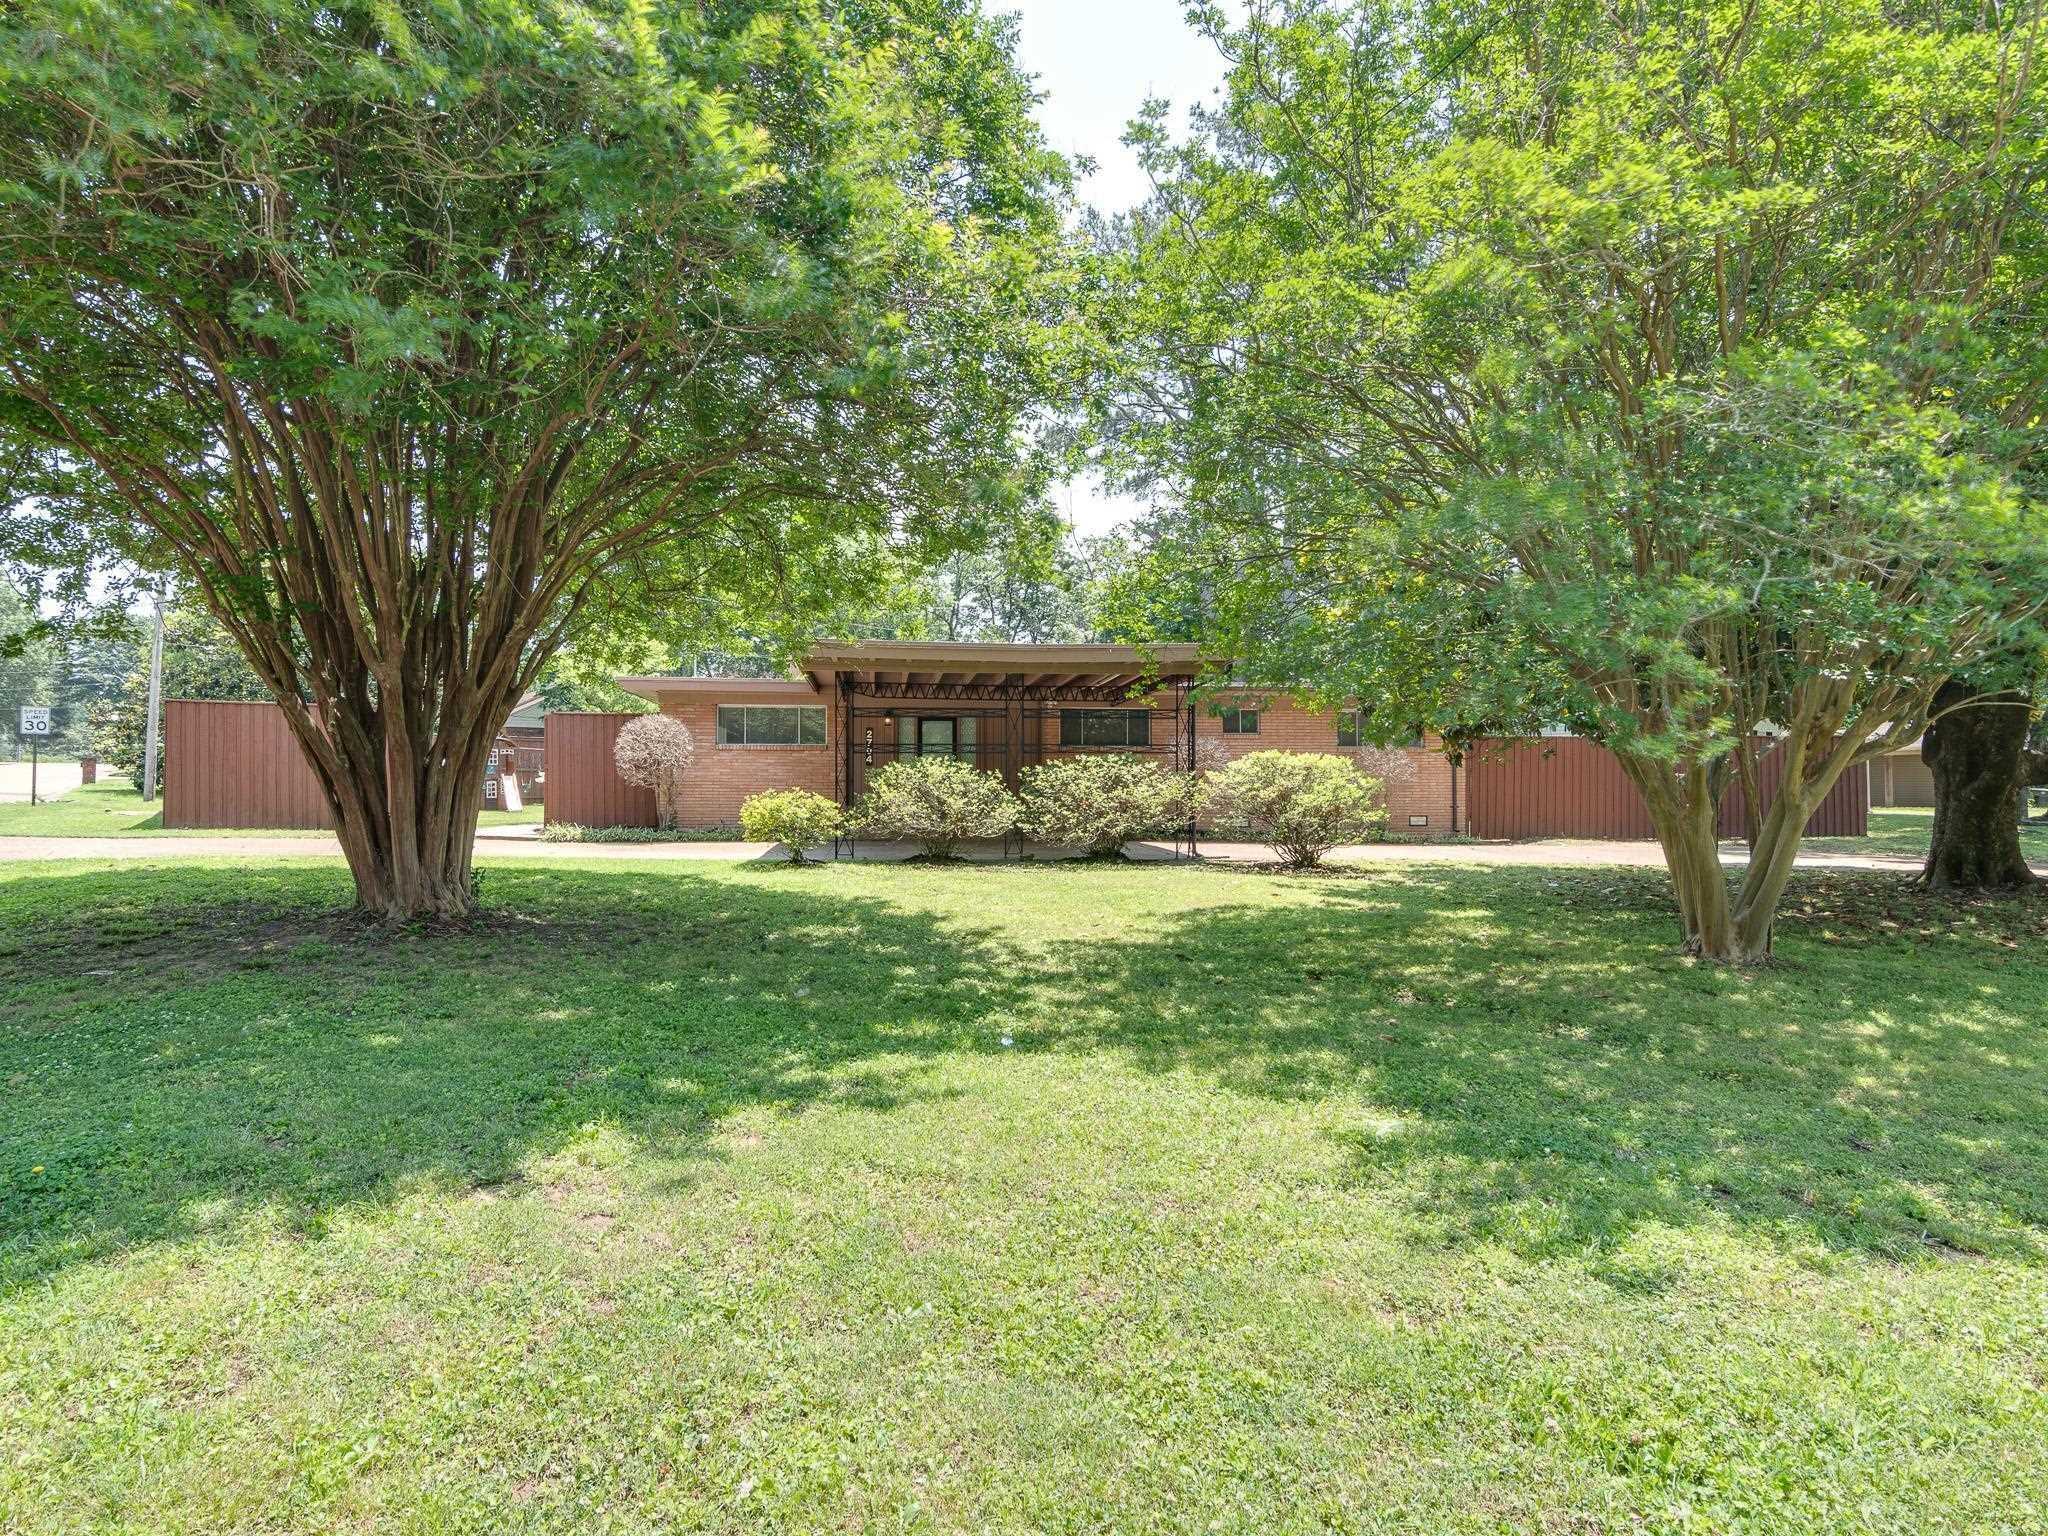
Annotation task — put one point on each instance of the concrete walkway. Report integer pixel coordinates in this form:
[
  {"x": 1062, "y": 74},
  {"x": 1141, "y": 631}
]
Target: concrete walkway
[{"x": 519, "y": 843}]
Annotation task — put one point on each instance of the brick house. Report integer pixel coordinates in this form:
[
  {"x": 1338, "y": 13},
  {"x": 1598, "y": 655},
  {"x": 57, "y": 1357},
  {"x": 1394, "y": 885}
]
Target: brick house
[{"x": 858, "y": 706}]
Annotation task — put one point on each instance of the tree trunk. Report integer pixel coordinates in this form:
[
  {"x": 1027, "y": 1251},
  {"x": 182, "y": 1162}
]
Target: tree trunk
[
  {"x": 405, "y": 816},
  {"x": 1684, "y": 811},
  {"x": 1774, "y": 841},
  {"x": 1980, "y": 761}
]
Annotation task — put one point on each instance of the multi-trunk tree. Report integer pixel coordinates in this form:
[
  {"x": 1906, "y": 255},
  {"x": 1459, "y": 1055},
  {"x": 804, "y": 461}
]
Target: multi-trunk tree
[
  {"x": 415, "y": 339},
  {"x": 1668, "y": 370}
]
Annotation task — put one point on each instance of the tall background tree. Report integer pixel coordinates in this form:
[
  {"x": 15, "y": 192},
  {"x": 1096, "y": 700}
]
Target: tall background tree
[
  {"x": 1043, "y": 588},
  {"x": 417, "y": 339},
  {"x": 28, "y": 664},
  {"x": 201, "y": 661},
  {"x": 1668, "y": 370},
  {"x": 1978, "y": 748}
]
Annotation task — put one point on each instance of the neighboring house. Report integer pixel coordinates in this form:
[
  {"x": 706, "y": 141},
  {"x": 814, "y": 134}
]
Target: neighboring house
[
  {"x": 526, "y": 732},
  {"x": 859, "y": 706},
  {"x": 527, "y": 724},
  {"x": 1901, "y": 778}
]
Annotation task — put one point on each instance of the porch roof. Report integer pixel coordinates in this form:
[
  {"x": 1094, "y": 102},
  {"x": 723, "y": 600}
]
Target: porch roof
[{"x": 886, "y": 666}]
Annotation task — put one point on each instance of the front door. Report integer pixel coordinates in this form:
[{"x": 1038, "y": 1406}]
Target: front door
[{"x": 935, "y": 736}]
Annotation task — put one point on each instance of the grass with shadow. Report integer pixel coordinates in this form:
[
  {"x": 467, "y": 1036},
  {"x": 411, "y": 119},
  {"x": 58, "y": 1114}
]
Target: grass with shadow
[
  {"x": 1904, "y": 832},
  {"x": 114, "y": 808},
  {"x": 735, "y": 1197}
]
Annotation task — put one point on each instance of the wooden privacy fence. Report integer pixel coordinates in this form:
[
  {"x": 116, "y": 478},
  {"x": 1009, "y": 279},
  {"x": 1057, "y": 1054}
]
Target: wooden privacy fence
[
  {"x": 584, "y": 788},
  {"x": 237, "y": 764},
  {"x": 1568, "y": 787},
  {"x": 234, "y": 764}
]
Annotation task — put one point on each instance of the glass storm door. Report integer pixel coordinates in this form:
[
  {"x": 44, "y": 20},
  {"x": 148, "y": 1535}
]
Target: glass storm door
[{"x": 935, "y": 736}]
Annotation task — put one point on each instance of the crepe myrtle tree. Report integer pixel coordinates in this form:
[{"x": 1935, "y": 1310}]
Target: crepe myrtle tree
[
  {"x": 417, "y": 340},
  {"x": 1671, "y": 371}
]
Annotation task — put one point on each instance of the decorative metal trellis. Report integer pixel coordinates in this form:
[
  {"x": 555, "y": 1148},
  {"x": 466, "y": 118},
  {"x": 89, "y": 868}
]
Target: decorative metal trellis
[{"x": 1007, "y": 726}]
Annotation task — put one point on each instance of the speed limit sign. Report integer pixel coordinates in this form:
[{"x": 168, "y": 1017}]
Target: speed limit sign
[{"x": 35, "y": 720}]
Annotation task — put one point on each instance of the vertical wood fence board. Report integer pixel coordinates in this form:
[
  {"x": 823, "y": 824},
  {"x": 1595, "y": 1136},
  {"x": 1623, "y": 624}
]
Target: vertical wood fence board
[
  {"x": 235, "y": 764},
  {"x": 584, "y": 788},
  {"x": 1568, "y": 787}
]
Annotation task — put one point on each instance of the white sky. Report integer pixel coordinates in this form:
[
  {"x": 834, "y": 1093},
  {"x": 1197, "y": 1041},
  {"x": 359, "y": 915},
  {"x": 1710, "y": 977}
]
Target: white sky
[{"x": 1096, "y": 62}]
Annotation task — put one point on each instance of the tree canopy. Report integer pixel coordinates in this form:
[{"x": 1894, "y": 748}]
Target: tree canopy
[
  {"x": 417, "y": 340},
  {"x": 1670, "y": 371}
]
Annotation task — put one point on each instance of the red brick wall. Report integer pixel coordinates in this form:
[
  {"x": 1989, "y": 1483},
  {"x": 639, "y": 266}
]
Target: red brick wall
[
  {"x": 721, "y": 778},
  {"x": 1285, "y": 726}
]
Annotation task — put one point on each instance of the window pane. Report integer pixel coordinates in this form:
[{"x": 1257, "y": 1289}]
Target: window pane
[
  {"x": 1240, "y": 722},
  {"x": 770, "y": 727},
  {"x": 730, "y": 725},
  {"x": 812, "y": 725},
  {"x": 1347, "y": 728},
  {"x": 1105, "y": 727}
]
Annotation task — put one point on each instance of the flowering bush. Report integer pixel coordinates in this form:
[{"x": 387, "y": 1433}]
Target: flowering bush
[
  {"x": 1100, "y": 802},
  {"x": 935, "y": 802},
  {"x": 1301, "y": 803},
  {"x": 655, "y": 752},
  {"x": 796, "y": 818}
]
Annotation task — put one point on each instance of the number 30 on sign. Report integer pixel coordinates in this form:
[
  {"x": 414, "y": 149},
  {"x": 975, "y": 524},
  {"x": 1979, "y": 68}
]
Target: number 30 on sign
[{"x": 35, "y": 720}]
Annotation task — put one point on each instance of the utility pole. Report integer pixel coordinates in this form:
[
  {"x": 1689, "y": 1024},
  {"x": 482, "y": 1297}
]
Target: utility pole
[{"x": 156, "y": 699}]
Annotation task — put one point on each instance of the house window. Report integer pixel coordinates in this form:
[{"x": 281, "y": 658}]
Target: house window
[
  {"x": 1351, "y": 731},
  {"x": 1240, "y": 722},
  {"x": 771, "y": 725},
  {"x": 1105, "y": 728}
]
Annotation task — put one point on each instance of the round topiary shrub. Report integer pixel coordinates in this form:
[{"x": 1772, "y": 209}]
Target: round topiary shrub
[
  {"x": 655, "y": 752},
  {"x": 1101, "y": 801},
  {"x": 1302, "y": 804},
  {"x": 796, "y": 818},
  {"x": 937, "y": 803}
]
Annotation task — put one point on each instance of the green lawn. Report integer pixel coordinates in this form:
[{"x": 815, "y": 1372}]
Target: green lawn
[
  {"x": 734, "y": 1197},
  {"x": 112, "y": 808},
  {"x": 1905, "y": 830}
]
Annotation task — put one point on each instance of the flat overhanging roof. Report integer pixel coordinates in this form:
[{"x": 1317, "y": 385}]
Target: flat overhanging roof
[
  {"x": 655, "y": 686},
  {"x": 940, "y": 667},
  {"x": 925, "y": 663}
]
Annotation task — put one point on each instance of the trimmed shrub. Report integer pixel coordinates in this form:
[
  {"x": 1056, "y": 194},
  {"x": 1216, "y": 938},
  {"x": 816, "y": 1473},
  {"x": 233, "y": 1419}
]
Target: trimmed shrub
[
  {"x": 935, "y": 802},
  {"x": 1101, "y": 801},
  {"x": 655, "y": 752},
  {"x": 796, "y": 818},
  {"x": 572, "y": 832},
  {"x": 1302, "y": 804}
]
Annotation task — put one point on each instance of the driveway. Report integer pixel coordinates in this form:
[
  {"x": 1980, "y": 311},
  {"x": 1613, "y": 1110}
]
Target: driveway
[
  {"x": 53, "y": 778},
  {"x": 520, "y": 843}
]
